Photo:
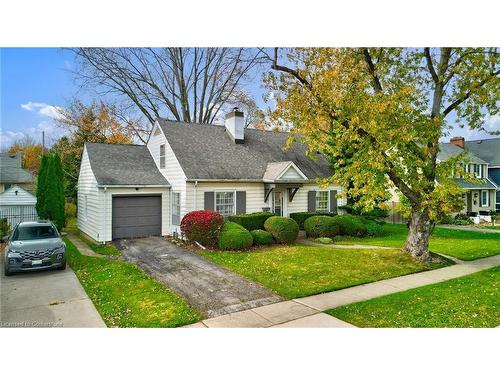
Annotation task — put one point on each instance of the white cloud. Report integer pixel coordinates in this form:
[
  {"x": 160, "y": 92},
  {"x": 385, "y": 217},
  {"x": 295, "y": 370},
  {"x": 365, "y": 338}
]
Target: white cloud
[
  {"x": 43, "y": 109},
  {"x": 51, "y": 131}
]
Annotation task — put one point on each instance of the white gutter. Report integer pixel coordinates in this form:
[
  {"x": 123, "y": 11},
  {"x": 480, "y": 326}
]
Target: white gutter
[{"x": 134, "y": 186}]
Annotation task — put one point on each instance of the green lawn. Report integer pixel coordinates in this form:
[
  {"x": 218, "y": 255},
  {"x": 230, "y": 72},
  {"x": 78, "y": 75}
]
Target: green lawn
[
  {"x": 465, "y": 245},
  {"x": 469, "y": 301},
  {"x": 301, "y": 270},
  {"x": 125, "y": 296},
  {"x": 71, "y": 226}
]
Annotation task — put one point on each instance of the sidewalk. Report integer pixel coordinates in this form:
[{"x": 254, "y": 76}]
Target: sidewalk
[
  {"x": 469, "y": 228},
  {"x": 307, "y": 312},
  {"x": 83, "y": 247}
]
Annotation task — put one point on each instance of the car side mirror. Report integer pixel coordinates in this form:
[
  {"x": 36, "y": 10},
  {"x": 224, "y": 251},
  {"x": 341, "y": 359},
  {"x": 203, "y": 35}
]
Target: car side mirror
[
  {"x": 64, "y": 234},
  {"x": 5, "y": 238}
]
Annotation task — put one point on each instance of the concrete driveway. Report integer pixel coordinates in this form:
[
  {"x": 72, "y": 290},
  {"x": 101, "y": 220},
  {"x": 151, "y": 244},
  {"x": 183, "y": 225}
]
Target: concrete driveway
[
  {"x": 45, "y": 299},
  {"x": 210, "y": 289}
]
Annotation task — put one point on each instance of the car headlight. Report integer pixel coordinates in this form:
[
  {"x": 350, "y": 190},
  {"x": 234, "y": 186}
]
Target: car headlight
[{"x": 59, "y": 248}]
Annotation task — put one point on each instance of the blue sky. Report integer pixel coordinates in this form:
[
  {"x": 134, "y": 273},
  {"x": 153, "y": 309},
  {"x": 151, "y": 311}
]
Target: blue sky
[{"x": 34, "y": 81}]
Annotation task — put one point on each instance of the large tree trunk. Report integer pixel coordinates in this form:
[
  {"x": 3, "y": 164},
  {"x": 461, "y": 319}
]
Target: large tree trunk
[{"x": 417, "y": 242}]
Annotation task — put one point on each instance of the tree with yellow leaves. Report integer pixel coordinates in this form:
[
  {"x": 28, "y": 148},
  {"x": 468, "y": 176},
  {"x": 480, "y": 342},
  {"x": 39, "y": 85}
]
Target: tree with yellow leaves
[
  {"x": 97, "y": 122},
  {"x": 378, "y": 113}
]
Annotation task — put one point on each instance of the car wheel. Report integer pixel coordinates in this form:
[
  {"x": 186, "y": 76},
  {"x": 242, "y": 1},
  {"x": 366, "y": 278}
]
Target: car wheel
[
  {"x": 62, "y": 266},
  {"x": 7, "y": 272}
]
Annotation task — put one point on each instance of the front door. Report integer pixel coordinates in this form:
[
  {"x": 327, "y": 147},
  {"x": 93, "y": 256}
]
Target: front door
[{"x": 278, "y": 203}]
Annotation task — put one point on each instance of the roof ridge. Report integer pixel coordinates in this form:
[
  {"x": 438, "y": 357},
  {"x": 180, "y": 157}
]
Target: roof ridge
[
  {"x": 215, "y": 125},
  {"x": 114, "y": 144}
]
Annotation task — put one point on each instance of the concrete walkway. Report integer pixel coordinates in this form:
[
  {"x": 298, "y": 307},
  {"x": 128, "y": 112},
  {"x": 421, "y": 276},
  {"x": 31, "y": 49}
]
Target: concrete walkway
[
  {"x": 210, "y": 289},
  {"x": 45, "y": 299},
  {"x": 470, "y": 228},
  {"x": 83, "y": 247},
  {"x": 307, "y": 312}
]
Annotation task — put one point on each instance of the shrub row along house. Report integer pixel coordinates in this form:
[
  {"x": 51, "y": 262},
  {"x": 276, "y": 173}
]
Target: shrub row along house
[{"x": 132, "y": 191}]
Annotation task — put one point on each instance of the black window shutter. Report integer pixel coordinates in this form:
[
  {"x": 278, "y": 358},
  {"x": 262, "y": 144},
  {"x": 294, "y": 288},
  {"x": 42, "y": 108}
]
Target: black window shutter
[
  {"x": 333, "y": 201},
  {"x": 209, "y": 201},
  {"x": 311, "y": 201},
  {"x": 241, "y": 202}
]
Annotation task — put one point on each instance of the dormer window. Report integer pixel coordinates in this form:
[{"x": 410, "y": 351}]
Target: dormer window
[
  {"x": 477, "y": 170},
  {"x": 162, "y": 156}
]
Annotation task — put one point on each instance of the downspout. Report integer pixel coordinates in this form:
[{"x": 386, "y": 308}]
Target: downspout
[
  {"x": 195, "y": 193},
  {"x": 105, "y": 188}
]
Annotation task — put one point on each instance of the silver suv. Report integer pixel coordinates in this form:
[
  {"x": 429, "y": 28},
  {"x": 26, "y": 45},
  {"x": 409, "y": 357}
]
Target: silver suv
[{"x": 34, "y": 245}]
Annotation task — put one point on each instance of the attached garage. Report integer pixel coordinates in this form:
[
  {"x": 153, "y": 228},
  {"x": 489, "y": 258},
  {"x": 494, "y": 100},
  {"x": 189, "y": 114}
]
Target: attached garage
[
  {"x": 121, "y": 193},
  {"x": 136, "y": 216}
]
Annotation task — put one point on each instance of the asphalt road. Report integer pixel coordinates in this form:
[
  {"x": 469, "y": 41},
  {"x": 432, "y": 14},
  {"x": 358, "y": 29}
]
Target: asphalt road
[{"x": 51, "y": 298}]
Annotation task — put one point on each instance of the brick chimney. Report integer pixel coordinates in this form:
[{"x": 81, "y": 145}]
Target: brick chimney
[
  {"x": 458, "y": 141},
  {"x": 235, "y": 125}
]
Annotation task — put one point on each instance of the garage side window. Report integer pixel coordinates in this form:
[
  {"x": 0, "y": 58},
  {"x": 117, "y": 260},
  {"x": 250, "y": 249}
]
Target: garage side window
[
  {"x": 224, "y": 203},
  {"x": 176, "y": 208},
  {"x": 162, "y": 156}
]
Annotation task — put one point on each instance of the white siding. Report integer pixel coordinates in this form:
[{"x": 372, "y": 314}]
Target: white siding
[
  {"x": 291, "y": 174},
  {"x": 106, "y": 198},
  {"x": 254, "y": 195},
  {"x": 299, "y": 203},
  {"x": 173, "y": 171},
  {"x": 23, "y": 198},
  {"x": 91, "y": 223}
]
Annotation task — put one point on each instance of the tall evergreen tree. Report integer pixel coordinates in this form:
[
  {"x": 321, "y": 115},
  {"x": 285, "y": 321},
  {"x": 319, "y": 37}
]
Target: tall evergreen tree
[
  {"x": 41, "y": 185},
  {"x": 58, "y": 194}
]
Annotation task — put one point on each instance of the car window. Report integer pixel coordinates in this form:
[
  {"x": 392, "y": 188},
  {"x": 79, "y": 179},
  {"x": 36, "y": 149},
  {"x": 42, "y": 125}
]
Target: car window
[{"x": 36, "y": 232}]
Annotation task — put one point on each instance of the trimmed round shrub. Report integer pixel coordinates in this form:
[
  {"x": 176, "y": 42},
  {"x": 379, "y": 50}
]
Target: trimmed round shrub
[
  {"x": 301, "y": 217},
  {"x": 321, "y": 226},
  {"x": 283, "y": 229},
  {"x": 252, "y": 221},
  {"x": 234, "y": 237},
  {"x": 372, "y": 228},
  {"x": 261, "y": 237},
  {"x": 350, "y": 225},
  {"x": 324, "y": 240},
  {"x": 202, "y": 226}
]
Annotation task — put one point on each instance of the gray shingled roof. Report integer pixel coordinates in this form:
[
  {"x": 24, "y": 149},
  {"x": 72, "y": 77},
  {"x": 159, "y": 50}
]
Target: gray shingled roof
[
  {"x": 207, "y": 152},
  {"x": 11, "y": 170},
  {"x": 123, "y": 165},
  {"x": 480, "y": 184},
  {"x": 448, "y": 150},
  {"x": 486, "y": 149}
]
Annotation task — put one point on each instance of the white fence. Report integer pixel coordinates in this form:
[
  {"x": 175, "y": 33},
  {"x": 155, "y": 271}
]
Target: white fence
[{"x": 16, "y": 214}]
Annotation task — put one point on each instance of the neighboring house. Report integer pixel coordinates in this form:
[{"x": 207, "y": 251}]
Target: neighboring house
[
  {"x": 483, "y": 195},
  {"x": 132, "y": 191},
  {"x": 11, "y": 172},
  {"x": 17, "y": 203},
  {"x": 489, "y": 151}
]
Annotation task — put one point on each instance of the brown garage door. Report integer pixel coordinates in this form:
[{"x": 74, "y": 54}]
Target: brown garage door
[{"x": 136, "y": 216}]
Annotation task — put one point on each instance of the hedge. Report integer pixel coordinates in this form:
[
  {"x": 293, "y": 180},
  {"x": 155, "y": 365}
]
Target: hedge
[
  {"x": 300, "y": 217},
  {"x": 321, "y": 226},
  {"x": 251, "y": 221},
  {"x": 261, "y": 237},
  {"x": 323, "y": 240},
  {"x": 234, "y": 237},
  {"x": 283, "y": 229},
  {"x": 350, "y": 225}
]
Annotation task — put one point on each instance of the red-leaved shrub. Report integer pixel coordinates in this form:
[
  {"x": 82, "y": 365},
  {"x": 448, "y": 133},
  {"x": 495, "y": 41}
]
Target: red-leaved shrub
[{"x": 202, "y": 226}]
